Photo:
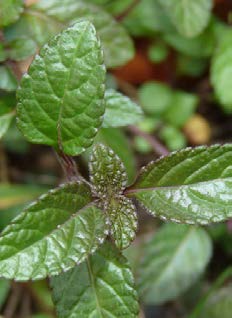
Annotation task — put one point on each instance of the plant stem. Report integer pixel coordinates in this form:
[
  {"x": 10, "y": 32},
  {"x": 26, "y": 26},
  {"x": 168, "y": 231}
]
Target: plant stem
[
  {"x": 152, "y": 140},
  {"x": 69, "y": 166}
]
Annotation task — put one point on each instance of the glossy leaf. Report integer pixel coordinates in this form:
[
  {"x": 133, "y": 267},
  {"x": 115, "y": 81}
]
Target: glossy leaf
[
  {"x": 123, "y": 220},
  {"x": 189, "y": 186},
  {"x": 102, "y": 286},
  {"x": 10, "y": 11},
  {"x": 221, "y": 71},
  {"x": 219, "y": 304},
  {"x": 189, "y": 17},
  {"x": 111, "y": 33},
  {"x": 52, "y": 235},
  {"x": 120, "y": 110},
  {"x": 61, "y": 96},
  {"x": 5, "y": 121},
  {"x": 7, "y": 80},
  {"x": 107, "y": 172},
  {"x": 173, "y": 260}
]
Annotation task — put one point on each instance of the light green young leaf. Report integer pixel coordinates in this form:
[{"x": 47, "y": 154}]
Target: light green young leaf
[
  {"x": 189, "y": 186},
  {"x": 52, "y": 235},
  {"x": 173, "y": 260},
  {"x": 111, "y": 33},
  {"x": 123, "y": 220},
  {"x": 189, "y": 17},
  {"x": 182, "y": 107},
  {"x": 7, "y": 80},
  {"x": 120, "y": 110},
  {"x": 155, "y": 98},
  {"x": 10, "y": 11},
  {"x": 103, "y": 286},
  {"x": 221, "y": 71},
  {"x": 173, "y": 137},
  {"x": 61, "y": 96},
  {"x": 5, "y": 121},
  {"x": 107, "y": 172}
]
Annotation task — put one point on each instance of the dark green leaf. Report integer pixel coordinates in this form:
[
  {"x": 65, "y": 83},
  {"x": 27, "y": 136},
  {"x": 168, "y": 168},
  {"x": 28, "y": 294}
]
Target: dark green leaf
[
  {"x": 10, "y": 11},
  {"x": 189, "y": 17},
  {"x": 7, "y": 80},
  {"x": 52, "y": 235},
  {"x": 123, "y": 220},
  {"x": 61, "y": 97},
  {"x": 103, "y": 286},
  {"x": 4, "y": 291},
  {"x": 189, "y": 186},
  {"x": 107, "y": 172},
  {"x": 120, "y": 110},
  {"x": 173, "y": 260},
  {"x": 5, "y": 121}
]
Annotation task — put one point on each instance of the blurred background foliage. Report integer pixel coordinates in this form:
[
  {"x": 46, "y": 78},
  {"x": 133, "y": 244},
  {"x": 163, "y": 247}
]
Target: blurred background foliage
[{"x": 172, "y": 57}]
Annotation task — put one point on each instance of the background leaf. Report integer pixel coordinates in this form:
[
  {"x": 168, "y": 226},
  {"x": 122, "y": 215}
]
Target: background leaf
[
  {"x": 173, "y": 260},
  {"x": 51, "y": 235},
  {"x": 101, "y": 287},
  {"x": 7, "y": 80},
  {"x": 189, "y": 17},
  {"x": 120, "y": 110},
  {"x": 192, "y": 185},
  {"x": 61, "y": 96},
  {"x": 10, "y": 11},
  {"x": 5, "y": 121}
]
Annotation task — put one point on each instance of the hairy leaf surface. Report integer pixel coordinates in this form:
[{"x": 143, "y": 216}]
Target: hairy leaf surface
[
  {"x": 173, "y": 260},
  {"x": 192, "y": 185},
  {"x": 123, "y": 220},
  {"x": 107, "y": 172},
  {"x": 189, "y": 17},
  {"x": 102, "y": 286},
  {"x": 120, "y": 110},
  {"x": 52, "y": 235},
  {"x": 61, "y": 96}
]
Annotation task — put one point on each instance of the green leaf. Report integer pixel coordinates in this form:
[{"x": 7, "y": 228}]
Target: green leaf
[
  {"x": 189, "y": 186},
  {"x": 123, "y": 220},
  {"x": 155, "y": 97},
  {"x": 52, "y": 235},
  {"x": 219, "y": 304},
  {"x": 107, "y": 172},
  {"x": 221, "y": 71},
  {"x": 5, "y": 121},
  {"x": 202, "y": 45},
  {"x": 147, "y": 18},
  {"x": 189, "y": 17},
  {"x": 4, "y": 291},
  {"x": 21, "y": 48},
  {"x": 120, "y": 110},
  {"x": 103, "y": 286},
  {"x": 7, "y": 80},
  {"x": 2, "y": 53},
  {"x": 61, "y": 96},
  {"x": 173, "y": 260},
  {"x": 181, "y": 108},
  {"x": 111, "y": 33},
  {"x": 173, "y": 138},
  {"x": 10, "y": 11},
  {"x": 119, "y": 143}
]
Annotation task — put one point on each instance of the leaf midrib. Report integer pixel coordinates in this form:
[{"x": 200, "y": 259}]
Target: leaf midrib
[{"x": 174, "y": 187}]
